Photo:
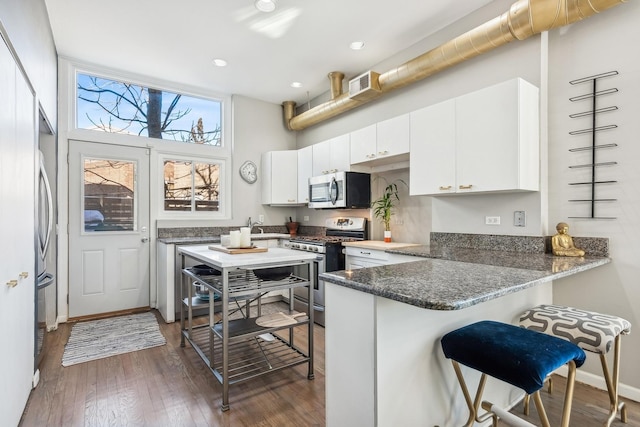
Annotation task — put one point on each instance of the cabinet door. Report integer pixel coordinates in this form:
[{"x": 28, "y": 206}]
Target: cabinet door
[
  {"x": 432, "y": 164},
  {"x": 280, "y": 177},
  {"x": 488, "y": 139},
  {"x": 393, "y": 136},
  {"x": 305, "y": 171},
  {"x": 321, "y": 153},
  {"x": 363, "y": 144},
  {"x": 339, "y": 154}
]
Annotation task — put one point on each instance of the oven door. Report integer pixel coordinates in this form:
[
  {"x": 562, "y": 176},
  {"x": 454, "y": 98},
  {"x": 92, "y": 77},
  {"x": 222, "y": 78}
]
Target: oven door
[{"x": 301, "y": 300}]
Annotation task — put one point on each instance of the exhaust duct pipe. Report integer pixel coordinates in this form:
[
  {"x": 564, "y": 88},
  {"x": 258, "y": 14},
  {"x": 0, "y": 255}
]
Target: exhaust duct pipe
[
  {"x": 335, "y": 78},
  {"x": 524, "y": 19}
]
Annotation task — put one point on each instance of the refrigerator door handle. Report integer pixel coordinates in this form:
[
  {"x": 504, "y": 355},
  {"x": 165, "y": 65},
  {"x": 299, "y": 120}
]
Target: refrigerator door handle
[{"x": 44, "y": 246}]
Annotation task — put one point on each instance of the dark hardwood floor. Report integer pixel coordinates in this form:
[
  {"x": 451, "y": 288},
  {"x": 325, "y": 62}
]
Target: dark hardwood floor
[{"x": 169, "y": 386}]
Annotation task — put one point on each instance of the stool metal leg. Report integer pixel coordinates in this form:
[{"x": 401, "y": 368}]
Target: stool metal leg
[
  {"x": 474, "y": 406},
  {"x": 568, "y": 396},
  {"x": 612, "y": 384}
]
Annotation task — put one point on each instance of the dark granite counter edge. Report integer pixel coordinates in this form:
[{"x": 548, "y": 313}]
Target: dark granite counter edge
[{"x": 423, "y": 301}]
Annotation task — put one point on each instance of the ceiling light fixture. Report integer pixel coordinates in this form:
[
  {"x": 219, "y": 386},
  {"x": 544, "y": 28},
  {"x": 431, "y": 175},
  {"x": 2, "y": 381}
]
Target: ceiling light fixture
[
  {"x": 220, "y": 62},
  {"x": 357, "y": 45},
  {"x": 265, "y": 5},
  {"x": 296, "y": 84}
]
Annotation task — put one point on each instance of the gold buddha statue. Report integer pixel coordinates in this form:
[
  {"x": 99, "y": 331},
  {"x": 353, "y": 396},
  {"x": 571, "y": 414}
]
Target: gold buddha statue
[{"x": 562, "y": 243}]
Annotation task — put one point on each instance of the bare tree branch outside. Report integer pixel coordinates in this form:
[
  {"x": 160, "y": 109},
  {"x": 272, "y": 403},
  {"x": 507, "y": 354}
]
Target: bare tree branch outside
[{"x": 118, "y": 107}]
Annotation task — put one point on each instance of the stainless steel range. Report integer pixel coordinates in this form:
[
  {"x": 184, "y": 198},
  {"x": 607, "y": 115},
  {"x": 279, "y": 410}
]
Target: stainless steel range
[{"x": 330, "y": 256}]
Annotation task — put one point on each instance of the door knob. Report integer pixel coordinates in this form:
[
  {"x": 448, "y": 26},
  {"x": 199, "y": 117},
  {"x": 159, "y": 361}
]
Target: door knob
[{"x": 144, "y": 239}]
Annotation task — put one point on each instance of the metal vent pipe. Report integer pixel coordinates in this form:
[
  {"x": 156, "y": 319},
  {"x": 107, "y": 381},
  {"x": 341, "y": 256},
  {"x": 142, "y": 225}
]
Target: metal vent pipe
[{"x": 524, "y": 19}]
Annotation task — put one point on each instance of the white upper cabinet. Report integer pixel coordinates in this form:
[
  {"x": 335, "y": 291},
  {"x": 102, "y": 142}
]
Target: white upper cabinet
[
  {"x": 393, "y": 136},
  {"x": 305, "y": 171},
  {"x": 331, "y": 156},
  {"x": 485, "y": 141},
  {"x": 380, "y": 143},
  {"x": 363, "y": 144},
  {"x": 280, "y": 177},
  {"x": 432, "y": 165}
]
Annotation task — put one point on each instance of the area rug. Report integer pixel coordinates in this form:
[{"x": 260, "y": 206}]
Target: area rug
[{"x": 102, "y": 338}]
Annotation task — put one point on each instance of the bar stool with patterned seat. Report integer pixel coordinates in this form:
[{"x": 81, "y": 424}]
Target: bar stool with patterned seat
[
  {"x": 591, "y": 331},
  {"x": 518, "y": 356}
]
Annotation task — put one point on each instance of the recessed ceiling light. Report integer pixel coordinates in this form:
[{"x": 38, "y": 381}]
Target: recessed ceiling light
[
  {"x": 296, "y": 84},
  {"x": 357, "y": 45},
  {"x": 265, "y": 5},
  {"x": 220, "y": 62}
]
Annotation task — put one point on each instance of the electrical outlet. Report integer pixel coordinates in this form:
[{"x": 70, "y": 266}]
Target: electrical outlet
[
  {"x": 261, "y": 218},
  {"x": 399, "y": 221},
  {"x": 519, "y": 218},
  {"x": 492, "y": 220},
  {"x": 306, "y": 218}
]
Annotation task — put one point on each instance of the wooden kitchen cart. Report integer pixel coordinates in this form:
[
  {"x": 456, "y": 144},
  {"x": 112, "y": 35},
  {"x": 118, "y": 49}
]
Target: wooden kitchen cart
[{"x": 237, "y": 349}]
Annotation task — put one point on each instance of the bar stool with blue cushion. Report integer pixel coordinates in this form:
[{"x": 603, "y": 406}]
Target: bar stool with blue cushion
[
  {"x": 518, "y": 356},
  {"x": 591, "y": 331}
]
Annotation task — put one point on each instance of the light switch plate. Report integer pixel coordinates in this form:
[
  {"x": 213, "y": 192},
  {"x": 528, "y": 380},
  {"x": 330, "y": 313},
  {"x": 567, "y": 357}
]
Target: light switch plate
[{"x": 519, "y": 219}]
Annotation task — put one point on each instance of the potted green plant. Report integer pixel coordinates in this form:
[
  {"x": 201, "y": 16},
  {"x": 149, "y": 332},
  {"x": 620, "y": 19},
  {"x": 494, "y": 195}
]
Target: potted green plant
[{"x": 384, "y": 205}]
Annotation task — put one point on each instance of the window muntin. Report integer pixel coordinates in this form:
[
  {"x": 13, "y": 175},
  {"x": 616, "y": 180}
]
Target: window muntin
[
  {"x": 117, "y": 107},
  {"x": 191, "y": 186}
]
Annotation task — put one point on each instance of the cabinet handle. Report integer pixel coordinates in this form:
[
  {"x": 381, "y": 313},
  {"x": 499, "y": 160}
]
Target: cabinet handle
[
  {"x": 334, "y": 170},
  {"x": 291, "y": 200},
  {"x": 12, "y": 283},
  {"x": 24, "y": 274},
  {"x": 383, "y": 153},
  {"x": 365, "y": 253},
  {"x": 325, "y": 172},
  {"x": 445, "y": 188},
  {"x": 466, "y": 187},
  {"x": 371, "y": 156}
]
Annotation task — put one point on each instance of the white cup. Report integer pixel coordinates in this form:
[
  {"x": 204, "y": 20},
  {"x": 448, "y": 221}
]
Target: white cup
[
  {"x": 234, "y": 238},
  {"x": 245, "y": 237}
]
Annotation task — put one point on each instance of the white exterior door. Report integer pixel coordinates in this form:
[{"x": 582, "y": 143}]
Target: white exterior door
[{"x": 108, "y": 228}]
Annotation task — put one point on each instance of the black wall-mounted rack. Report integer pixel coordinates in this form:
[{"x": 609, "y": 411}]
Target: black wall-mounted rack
[{"x": 594, "y": 147}]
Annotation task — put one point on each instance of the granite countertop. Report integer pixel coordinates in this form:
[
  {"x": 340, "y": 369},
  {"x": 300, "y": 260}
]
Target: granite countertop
[
  {"x": 216, "y": 239},
  {"x": 452, "y": 278},
  {"x": 379, "y": 245}
]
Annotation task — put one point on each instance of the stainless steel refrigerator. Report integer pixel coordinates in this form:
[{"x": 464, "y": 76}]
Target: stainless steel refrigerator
[{"x": 45, "y": 294}]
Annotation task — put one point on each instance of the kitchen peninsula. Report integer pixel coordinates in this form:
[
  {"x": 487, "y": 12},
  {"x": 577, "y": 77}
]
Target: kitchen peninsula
[{"x": 384, "y": 364}]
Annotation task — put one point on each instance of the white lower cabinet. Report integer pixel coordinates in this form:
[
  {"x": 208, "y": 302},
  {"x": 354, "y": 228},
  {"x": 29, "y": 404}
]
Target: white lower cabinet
[
  {"x": 361, "y": 258},
  {"x": 484, "y": 141}
]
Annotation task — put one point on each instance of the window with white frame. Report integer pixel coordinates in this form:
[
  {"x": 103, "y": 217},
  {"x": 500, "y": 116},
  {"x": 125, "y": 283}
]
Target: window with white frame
[
  {"x": 186, "y": 132},
  {"x": 113, "y": 106}
]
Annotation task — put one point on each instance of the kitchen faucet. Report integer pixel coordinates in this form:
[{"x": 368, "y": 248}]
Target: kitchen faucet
[{"x": 251, "y": 224}]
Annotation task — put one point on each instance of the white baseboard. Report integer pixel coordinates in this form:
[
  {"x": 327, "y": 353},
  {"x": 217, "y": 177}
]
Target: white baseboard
[{"x": 598, "y": 382}]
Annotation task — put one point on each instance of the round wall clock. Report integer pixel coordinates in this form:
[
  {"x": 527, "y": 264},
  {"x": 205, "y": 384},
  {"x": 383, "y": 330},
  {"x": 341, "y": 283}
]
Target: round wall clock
[{"x": 249, "y": 172}]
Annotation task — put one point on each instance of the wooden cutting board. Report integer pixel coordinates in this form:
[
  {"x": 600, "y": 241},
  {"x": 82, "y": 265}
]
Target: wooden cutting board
[
  {"x": 236, "y": 251},
  {"x": 278, "y": 319}
]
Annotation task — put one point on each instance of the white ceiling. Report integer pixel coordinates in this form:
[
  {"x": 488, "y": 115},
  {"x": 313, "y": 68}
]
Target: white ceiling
[{"x": 302, "y": 40}]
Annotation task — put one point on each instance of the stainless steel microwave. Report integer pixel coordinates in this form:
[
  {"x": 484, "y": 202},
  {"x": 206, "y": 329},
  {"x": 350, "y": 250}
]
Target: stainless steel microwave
[{"x": 340, "y": 190}]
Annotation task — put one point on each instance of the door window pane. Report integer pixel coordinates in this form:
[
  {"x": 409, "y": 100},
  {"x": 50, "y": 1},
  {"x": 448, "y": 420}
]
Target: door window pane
[
  {"x": 191, "y": 186},
  {"x": 109, "y": 195}
]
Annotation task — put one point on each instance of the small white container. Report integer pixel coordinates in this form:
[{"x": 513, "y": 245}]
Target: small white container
[
  {"x": 234, "y": 239},
  {"x": 245, "y": 237}
]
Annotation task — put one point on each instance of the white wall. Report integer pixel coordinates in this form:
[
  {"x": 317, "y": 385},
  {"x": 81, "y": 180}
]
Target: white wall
[{"x": 602, "y": 43}]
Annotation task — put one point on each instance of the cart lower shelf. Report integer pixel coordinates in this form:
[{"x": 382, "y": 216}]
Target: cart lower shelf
[{"x": 248, "y": 357}]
